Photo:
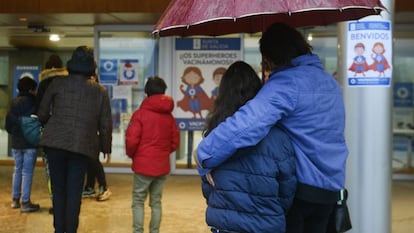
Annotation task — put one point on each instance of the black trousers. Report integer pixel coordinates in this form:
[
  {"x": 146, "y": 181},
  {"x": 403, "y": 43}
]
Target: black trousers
[
  {"x": 67, "y": 172},
  {"x": 307, "y": 217},
  {"x": 95, "y": 171}
]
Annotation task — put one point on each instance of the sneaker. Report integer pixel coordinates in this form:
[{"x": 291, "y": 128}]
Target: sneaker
[
  {"x": 15, "y": 203},
  {"x": 29, "y": 207},
  {"x": 104, "y": 194},
  {"x": 88, "y": 192}
]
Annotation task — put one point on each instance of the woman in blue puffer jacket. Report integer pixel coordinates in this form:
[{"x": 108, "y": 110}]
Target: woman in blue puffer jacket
[{"x": 253, "y": 190}]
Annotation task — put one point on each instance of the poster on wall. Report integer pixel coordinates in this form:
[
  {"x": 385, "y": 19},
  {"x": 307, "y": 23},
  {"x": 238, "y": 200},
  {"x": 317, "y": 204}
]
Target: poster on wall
[
  {"x": 108, "y": 71},
  {"x": 119, "y": 71},
  {"x": 369, "y": 55},
  {"x": 200, "y": 63},
  {"x": 128, "y": 71},
  {"x": 21, "y": 71}
]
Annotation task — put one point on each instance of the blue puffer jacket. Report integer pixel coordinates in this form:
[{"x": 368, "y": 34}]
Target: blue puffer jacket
[
  {"x": 254, "y": 188},
  {"x": 307, "y": 102}
]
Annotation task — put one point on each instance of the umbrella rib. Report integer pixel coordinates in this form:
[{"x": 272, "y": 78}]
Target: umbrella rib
[{"x": 305, "y": 10}]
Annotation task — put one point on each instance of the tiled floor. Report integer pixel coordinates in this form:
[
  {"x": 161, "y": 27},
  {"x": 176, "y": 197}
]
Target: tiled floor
[{"x": 183, "y": 207}]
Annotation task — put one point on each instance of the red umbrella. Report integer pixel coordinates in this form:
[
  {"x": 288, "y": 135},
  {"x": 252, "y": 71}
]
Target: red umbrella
[{"x": 220, "y": 17}]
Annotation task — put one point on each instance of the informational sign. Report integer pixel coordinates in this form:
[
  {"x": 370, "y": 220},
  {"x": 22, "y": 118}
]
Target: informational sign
[
  {"x": 128, "y": 72},
  {"x": 403, "y": 94},
  {"x": 200, "y": 63},
  {"x": 369, "y": 55},
  {"x": 108, "y": 71},
  {"x": 121, "y": 92},
  {"x": 21, "y": 71}
]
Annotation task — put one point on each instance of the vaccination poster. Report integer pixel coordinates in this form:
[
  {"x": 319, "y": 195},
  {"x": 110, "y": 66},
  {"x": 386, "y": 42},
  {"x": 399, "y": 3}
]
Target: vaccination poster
[
  {"x": 129, "y": 72},
  {"x": 200, "y": 63},
  {"x": 21, "y": 71},
  {"x": 369, "y": 55}
]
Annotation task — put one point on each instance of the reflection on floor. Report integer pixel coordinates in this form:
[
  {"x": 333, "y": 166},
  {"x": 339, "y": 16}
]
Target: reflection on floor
[{"x": 183, "y": 207}]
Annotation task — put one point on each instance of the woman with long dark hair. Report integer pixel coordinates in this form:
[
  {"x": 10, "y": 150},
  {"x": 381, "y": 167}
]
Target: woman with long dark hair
[{"x": 251, "y": 191}]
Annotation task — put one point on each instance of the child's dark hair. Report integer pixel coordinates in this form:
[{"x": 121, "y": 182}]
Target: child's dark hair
[
  {"x": 155, "y": 85},
  {"x": 26, "y": 84}
]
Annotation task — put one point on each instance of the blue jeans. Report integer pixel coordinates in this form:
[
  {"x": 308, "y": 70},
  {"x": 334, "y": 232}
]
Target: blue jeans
[
  {"x": 141, "y": 187},
  {"x": 67, "y": 172},
  {"x": 24, "y": 163}
]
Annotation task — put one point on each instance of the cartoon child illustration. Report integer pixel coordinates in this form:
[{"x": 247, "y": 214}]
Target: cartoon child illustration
[
  {"x": 217, "y": 75},
  {"x": 359, "y": 64},
  {"x": 380, "y": 63},
  {"x": 195, "y": 99}
]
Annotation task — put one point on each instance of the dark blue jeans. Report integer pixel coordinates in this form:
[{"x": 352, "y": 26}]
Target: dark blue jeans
[{"x": 67, "y": 173}]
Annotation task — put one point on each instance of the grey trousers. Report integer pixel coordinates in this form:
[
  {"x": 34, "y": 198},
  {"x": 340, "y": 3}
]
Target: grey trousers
[{"x": 141, "y": 187}]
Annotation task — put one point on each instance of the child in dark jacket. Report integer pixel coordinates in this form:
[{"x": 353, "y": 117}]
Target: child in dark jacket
[
  {"x": 23, "y": 152},
  {"x": 253, "y": 190},
  {"x": 152, "y": 135}
]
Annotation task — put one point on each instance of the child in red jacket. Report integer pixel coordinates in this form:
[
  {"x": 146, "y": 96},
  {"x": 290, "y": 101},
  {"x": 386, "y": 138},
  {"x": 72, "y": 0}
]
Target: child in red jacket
[{"x": 152, "y": 135}]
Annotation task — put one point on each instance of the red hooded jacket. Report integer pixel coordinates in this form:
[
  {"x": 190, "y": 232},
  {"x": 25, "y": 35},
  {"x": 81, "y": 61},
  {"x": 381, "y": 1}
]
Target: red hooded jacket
[{"x": 152, "y": 135}]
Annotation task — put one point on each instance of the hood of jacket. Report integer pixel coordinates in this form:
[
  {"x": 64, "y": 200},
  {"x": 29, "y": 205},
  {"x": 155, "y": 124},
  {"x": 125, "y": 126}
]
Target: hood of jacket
[
  {"x": 53, "y": 72},
  {"x": 158, "y": 103}
]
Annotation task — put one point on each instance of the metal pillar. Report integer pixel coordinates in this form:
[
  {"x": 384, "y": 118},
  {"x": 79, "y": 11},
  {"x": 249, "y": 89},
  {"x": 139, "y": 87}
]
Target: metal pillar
[{"x": 369, "y": 137}]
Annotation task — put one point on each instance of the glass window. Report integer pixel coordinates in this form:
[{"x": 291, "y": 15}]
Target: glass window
[
  {"x": 403, "y": 111},
  {"x": 125, "y": 60}
]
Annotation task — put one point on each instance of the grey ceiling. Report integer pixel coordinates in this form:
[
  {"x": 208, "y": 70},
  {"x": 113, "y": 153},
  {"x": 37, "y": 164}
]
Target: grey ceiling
[{"x": 78, "y": 28}]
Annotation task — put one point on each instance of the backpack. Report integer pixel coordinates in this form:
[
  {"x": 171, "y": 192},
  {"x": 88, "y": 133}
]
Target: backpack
[{"x": 31, "y": 129}]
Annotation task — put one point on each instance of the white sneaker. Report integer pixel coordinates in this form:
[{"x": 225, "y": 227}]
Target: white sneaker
[{"x": 103, "y": 195}]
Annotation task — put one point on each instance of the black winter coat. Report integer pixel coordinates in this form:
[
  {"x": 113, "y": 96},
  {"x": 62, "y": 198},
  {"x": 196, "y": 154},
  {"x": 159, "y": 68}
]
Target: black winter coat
[
  {"x": 76, "y": 114},
  {"x": 22, "y": 105}
]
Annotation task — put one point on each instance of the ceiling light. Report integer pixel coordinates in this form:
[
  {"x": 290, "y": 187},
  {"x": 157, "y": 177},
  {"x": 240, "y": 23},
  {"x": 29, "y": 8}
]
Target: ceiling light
[
  {"x": 54, "y": 37},
  {"x": 310, "y": 37}
]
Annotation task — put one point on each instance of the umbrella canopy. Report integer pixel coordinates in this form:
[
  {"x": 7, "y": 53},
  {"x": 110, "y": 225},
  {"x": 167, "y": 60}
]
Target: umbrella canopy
[{"x": 221, "y": 17}]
